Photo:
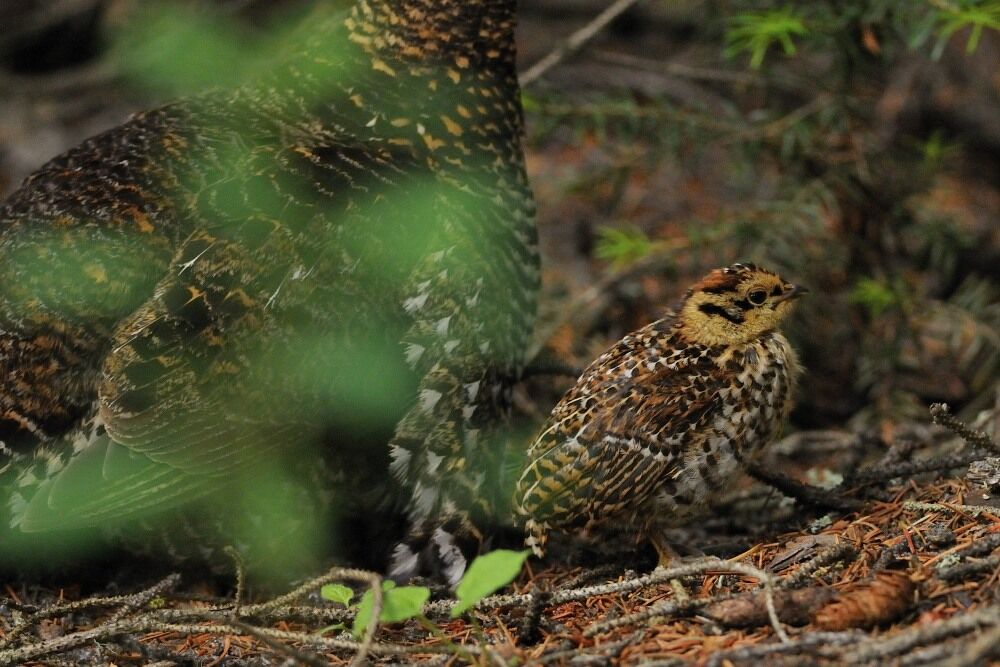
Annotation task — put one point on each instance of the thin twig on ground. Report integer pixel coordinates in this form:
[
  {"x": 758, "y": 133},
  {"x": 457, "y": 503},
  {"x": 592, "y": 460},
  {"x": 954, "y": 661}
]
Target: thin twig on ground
[
  {"x": 811, "y": 496},
  {"x": 673, "y": 606},
  {"x": 881, "y": 648}
]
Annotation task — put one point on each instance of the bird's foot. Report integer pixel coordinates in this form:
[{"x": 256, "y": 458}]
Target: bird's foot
[{"x": 668, "y": 557}]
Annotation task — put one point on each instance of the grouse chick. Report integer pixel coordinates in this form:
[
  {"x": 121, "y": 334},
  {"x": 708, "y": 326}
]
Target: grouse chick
[{"x": 668, "y": 415}]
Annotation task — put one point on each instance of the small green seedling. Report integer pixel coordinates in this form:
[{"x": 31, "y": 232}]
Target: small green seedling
[
  {"x": 486, "y": 575},
  {"x": 337, "y": 593},
  {"x": 399, "y": 603}
]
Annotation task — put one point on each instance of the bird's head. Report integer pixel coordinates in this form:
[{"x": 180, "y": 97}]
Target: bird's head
[{"x": 736, "y": 305}]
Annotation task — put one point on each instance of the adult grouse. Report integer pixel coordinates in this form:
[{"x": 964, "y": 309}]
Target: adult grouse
[{"x": 343, "y": 253}]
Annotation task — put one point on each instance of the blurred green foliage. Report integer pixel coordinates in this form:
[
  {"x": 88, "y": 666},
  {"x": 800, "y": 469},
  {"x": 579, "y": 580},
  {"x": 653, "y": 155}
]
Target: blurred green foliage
[
  {"x": 179, "y": 49},
  {"x": 756, "y": 33},
  {"x": 874, "y": 295},
  {"x": 622, "y": 246},
  {"x": 972, "y": 14},
  {"x": 325, "y": 251},
  {"x": 175, "y": 49}
]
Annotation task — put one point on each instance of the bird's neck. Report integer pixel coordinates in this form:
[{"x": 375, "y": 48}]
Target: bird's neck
[{"x": 477, "y": 34}]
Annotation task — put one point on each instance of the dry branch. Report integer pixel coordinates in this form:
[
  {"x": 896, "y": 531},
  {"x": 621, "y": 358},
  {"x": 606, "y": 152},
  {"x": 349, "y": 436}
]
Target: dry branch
[
  {"x": 882, "y": 648},
  {"x": 811, "y": 496},
  {"x": 941, "y": 414},
  {"x": 698, "y": 567},
  {"x": 576, "y": 41}
]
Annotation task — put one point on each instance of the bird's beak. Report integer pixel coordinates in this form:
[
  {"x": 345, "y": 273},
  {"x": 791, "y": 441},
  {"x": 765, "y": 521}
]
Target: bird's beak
[{"x": 794, "y": 293}]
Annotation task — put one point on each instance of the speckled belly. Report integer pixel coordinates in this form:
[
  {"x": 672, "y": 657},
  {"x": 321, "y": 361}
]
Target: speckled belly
[{"x": 751, "y": 414}]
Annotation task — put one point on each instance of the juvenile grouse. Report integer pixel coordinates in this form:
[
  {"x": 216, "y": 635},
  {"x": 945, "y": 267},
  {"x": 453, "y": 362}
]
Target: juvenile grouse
[
  {"x": 343, "y": 252},
  {"x": 668, "y": 414}
]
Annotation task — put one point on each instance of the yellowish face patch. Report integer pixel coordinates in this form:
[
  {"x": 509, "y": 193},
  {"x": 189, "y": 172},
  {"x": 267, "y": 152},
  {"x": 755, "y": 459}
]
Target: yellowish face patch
[{"x": 736, "y": 305}]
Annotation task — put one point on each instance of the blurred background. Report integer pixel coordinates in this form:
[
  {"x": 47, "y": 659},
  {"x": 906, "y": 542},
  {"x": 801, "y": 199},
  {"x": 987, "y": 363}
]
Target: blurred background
[{"x": 851, "y": 145}]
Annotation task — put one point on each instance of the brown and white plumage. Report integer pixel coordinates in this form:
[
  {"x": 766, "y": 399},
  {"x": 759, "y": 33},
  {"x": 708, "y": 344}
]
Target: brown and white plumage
[
  {"x": 337, "y": 259},
  {"x": 667, "y": 415}
]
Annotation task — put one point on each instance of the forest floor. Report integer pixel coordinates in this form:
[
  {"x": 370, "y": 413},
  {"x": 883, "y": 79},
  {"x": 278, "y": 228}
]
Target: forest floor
[
  {"x": 890, "y": 565},
  {"x": 890, "y": 555}
]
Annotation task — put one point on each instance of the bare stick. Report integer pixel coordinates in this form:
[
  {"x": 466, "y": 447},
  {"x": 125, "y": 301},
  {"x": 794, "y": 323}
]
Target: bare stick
[
  {"x": 298, "y": 656},
  {"x": 333, "y": 574},
  {"x": 880, "y": 648},
  {"x": 804, "y": 493},
  {"x": 698, "y": 567},
  {"x": 128, "y": 603},
  {"x": 150, "y": 623},
  {"x": 754, "y": 654},
  {"x": 240, "y": 577},
  {"x": 974, "y": 510},
  {"x": 142, "y": 598},
  {"x": 659, "y": 576},
  {"x": 576, "y": 41}
]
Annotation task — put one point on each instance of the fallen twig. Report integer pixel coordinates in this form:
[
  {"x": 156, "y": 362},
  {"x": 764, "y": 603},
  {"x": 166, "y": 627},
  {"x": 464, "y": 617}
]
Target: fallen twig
[
  {"x": 941, "y": 414},
  {"x": 794, "y": 607},
  {"x": 671, "y": 607},
  {"x": 966, "y": 570},
  {"x": 127, "y": 603},
  {"x": 880, "y": 648},
  {"x": 974, "y": 510},
  {"x": 753, "y": 655},
  {"x": 842, "y": 552},
  {"x": 576, "y": 41},
  {"x": 884, "y": 473},
  {"x": 806, "y": 494}
]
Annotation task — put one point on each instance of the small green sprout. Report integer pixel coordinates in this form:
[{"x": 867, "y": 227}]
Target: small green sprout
[
  {"x": 399, "y": 603},
  {"x": 337, "y": 593},
  {"x": 486, "y": 575},
  {"x": 756, "y": 33}
]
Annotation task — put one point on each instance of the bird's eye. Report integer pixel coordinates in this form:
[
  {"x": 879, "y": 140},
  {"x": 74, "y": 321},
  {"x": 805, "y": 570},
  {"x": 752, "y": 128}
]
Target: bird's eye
[{"x": 757, "y": 297}]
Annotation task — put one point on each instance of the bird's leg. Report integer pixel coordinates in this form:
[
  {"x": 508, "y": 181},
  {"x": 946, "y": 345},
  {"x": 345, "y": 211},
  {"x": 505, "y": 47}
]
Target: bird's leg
[{"x": 666, "y": 555}]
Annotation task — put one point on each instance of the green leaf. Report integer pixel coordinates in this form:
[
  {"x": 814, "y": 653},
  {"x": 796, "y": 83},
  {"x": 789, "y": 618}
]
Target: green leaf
[
  {"x": 486, "y": 575},
  {"x": 337, "y": 593},
  {"x": 398, "y": 604}
]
